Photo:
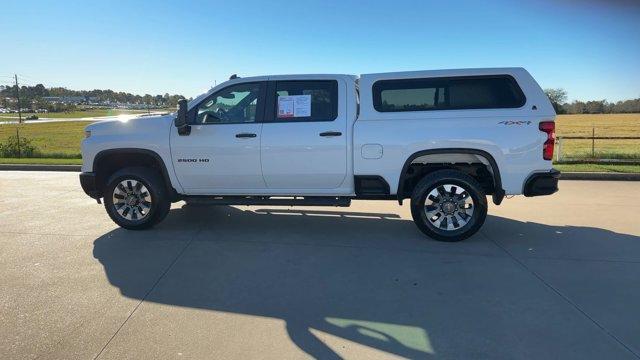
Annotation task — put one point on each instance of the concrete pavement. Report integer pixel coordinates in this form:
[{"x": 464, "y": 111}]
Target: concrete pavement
[{"x": 546, "y": 277}]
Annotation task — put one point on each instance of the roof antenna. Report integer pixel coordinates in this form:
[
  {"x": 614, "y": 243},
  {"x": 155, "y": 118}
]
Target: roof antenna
[{"x": 234, "y": 76}]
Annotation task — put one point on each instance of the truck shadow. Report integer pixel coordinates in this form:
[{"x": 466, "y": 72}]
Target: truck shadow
[{"x": 329, "y": 272}]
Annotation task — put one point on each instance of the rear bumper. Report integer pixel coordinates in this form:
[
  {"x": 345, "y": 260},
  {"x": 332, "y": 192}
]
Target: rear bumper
[
  {"x": 88, "y": 183},
  {"x": 542, "y": 183}
]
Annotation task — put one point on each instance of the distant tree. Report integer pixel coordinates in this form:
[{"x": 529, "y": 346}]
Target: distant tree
[
  {"x": 39, "y": 91},
  {"x": 557, "y": 98},
  {"x": 626, "y": 106},
  {"x": 595, "y": 107}
]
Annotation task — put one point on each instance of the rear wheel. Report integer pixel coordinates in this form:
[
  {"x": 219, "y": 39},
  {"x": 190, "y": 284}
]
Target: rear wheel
[
  {"x": 448, "y": 205},
  {"x": 135, "y": 198}
]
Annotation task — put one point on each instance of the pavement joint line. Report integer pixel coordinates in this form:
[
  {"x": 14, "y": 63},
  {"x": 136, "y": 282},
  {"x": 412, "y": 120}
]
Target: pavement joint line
[
  {"x": 364, "y": 247},
  {"x": 561, "y": 295},
  {"x": 582, "y": 259},
  {"x": 438, "y": 252},
  {"x": 41, "y": 234},
  {"x": 175, "y": 260}
]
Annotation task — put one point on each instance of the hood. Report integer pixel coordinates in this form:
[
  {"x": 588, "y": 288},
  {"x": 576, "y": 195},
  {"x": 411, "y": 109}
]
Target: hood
[{"x": 131, "y": 125}]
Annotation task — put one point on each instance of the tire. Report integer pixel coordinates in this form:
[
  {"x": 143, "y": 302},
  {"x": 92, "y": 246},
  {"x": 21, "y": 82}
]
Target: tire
[
  {"x": 140, "y": 202},
  {"x": 436, "y": 210}
]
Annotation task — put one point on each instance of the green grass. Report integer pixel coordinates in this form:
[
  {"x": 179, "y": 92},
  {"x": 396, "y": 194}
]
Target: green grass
[
  {"x": 41, "y": 161},
  {"x": 78, "y": 114},
  {"x": 53, "y": 139},
  {"x": 619, "y": 168}
]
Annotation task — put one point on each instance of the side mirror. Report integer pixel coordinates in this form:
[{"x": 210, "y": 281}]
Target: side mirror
[{"x": 181, "y": 119}]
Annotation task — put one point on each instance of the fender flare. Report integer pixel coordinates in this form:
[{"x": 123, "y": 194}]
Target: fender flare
[
  {"x": 499, "y": 192},
  {"x": 163, "y": 167}
]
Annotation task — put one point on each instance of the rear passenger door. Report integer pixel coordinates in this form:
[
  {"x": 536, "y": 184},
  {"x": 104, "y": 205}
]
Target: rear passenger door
[{"x": 304, "y": 136}]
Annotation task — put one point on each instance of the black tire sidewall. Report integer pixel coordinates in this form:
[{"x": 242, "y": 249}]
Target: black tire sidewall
[
  {"x": 452, "y": 177},
  {"x": 150, "y": 181}
]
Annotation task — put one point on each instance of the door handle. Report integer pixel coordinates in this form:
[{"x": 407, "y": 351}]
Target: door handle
[
  {"x": 331, "y": 133},
  {"x": 246, "y": 135}
]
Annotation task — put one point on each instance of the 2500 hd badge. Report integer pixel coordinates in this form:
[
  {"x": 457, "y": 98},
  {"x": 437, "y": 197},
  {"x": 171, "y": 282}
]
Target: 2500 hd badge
[{"x": 204, "y": 160}]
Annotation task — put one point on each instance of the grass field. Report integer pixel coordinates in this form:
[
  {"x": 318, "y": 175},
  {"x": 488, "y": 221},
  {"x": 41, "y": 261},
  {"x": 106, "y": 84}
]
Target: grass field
[
  {"x": 76, "y": 114},
  {"x": 602, "y": 125},
  {"x": 41, "y": 161},
  {"x": 52, "y": 139},
  {"x": 61, "y": 140},
  {"x": 618, "y": 168}
]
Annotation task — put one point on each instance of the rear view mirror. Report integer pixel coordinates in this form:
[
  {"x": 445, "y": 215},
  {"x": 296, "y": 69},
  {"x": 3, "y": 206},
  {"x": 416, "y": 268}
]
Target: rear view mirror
[
  {"x": 228, "y": 96},
  {"x": 181, "y": 119}
]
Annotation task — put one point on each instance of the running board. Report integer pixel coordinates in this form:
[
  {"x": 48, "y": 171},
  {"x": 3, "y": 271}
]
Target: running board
[{"x": 267, "y": 200}]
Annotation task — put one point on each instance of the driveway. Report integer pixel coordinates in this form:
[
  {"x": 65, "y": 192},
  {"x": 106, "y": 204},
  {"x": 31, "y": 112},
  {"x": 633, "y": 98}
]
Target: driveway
[{"x": 548, "y": 277}]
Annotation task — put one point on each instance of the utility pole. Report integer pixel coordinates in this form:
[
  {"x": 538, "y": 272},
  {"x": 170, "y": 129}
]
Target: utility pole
[{"x": 18, "y": 97}]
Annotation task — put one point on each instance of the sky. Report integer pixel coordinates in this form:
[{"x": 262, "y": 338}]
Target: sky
[{"x": 590, "y": 48}]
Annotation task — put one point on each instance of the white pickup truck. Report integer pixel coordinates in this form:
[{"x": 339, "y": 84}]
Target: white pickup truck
[{"x": 444, "y": 139}]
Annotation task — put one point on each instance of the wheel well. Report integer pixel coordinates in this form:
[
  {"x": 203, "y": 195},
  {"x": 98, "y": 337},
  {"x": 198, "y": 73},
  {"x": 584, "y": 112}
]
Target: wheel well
[
  {"x": 475, "y": 163},
  {"x": 108, "y": 162}
]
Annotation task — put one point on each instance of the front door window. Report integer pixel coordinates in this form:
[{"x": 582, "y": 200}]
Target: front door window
[{"x": 236, "y": 104}]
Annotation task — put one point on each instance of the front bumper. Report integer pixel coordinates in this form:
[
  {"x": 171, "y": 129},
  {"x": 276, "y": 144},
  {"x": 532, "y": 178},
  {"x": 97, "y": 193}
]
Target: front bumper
[
  {"x": 88, "y": 183},
  {"x": 543, "y": 183}
]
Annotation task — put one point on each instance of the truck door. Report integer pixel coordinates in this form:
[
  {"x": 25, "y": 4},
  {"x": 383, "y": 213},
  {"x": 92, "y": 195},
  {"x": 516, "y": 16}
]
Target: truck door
[
  {"x": 304, "y": 135},
  {"x": 221, "y": 155}
]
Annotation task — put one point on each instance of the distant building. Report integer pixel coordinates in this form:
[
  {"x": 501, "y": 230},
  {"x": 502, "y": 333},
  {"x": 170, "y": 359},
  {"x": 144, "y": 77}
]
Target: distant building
[{"x": 65, "y": 99}]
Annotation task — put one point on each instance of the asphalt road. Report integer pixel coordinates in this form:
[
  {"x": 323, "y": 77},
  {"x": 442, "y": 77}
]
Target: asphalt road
[{"x": 549, "y": 277}]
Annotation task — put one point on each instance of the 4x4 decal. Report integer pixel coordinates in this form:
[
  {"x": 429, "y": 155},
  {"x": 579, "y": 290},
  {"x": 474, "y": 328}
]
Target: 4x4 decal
[{"x": 511, "y": 122}]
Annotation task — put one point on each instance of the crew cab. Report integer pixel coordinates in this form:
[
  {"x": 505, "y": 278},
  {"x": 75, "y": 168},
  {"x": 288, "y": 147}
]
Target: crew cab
[{"x": 445, "y": 139}]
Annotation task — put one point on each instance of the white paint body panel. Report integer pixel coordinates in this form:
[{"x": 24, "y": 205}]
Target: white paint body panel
[
  {"x": 295, "y": 156},
  {"x": 148, "y": 133},
  {"x": 517, "y": 149},
  {"x": 292, "y": 159},
  {"x": 231, "y": 163}
]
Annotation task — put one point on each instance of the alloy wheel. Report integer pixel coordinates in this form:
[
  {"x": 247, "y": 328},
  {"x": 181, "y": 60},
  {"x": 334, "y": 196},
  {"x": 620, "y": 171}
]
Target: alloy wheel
[
  {"x": 449, "y": 207},
  {"x": 132, "y": 200}
]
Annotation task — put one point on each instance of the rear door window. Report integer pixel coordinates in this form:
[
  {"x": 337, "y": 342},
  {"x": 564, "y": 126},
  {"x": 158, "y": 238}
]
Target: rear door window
[
  {"x": 455, "y": 93},
  {"x": 305, "y": 101}
]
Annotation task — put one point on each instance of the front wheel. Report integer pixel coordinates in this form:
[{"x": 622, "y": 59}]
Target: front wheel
[
  {"x": 448, "y": 205},
  {"x": 135, "y": 198}
]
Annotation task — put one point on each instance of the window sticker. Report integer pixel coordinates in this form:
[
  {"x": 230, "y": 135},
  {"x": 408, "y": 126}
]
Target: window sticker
[{"x": 294, "y": 106}]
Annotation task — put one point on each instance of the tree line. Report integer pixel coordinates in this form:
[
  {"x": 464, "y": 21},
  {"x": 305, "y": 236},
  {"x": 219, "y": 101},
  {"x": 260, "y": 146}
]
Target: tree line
[
  {"x": 558, "y": 98},
  {"x": 32, "y": 96}
]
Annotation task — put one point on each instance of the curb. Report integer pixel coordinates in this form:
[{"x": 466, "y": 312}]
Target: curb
[
  {"x": 600, "y": 176},
  {"x": 35, "y": 167},
  {"x": 563, "y": 176}
]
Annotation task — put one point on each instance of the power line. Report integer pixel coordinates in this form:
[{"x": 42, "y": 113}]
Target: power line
[{"x": 24, "y": 79}]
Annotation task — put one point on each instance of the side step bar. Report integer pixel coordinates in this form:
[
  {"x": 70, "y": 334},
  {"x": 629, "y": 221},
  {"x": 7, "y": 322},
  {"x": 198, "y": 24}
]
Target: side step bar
[{"x": 269, "y": 200}]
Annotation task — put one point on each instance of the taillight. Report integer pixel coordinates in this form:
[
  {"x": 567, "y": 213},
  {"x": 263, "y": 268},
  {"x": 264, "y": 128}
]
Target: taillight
[{"x": 548, "y": 127}]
